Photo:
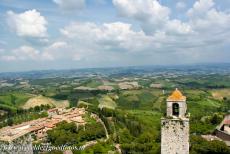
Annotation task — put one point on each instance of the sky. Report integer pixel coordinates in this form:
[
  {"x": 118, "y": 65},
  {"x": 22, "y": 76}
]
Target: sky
[{"x": 68, "y": 34}]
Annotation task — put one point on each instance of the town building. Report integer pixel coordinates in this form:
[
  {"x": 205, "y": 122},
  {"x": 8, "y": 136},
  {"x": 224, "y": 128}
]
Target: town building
[
  {"x": 223, "y": 130},
  {"x": 24, "y": 133}
]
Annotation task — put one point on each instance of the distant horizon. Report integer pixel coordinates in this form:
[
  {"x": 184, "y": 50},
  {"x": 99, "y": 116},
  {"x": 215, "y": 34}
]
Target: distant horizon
[{"x": 110, "y": 67}]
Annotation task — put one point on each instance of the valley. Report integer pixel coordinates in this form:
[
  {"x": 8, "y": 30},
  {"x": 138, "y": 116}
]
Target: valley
[{"x": 129, "y": 104}]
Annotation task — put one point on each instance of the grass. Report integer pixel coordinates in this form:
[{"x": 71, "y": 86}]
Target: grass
[
  {"x": 93, "y": 83},
  {"x": 83, "y": 102},
  {"x": 138, "y": 99},
  {"x": 88, "y": 119},
  {"x": 39, "y": 100},
  {"x": 150, "y": 119},
  {"x": 203, "y": 107},
  {"x": 188, "y": 92},
  {"x": 159, "y": 103},
  {"x": 15, "y": 99},
  {"x": 107, "y": 102},
  {"x": 146, "y": 100},
  {"x": 220, "y": 93}
]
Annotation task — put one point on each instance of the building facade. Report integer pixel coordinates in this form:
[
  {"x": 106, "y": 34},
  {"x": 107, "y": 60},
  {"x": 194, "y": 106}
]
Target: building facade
[
  {"x": 175, "y": 126},
  {"x": 223, "y": 130}
]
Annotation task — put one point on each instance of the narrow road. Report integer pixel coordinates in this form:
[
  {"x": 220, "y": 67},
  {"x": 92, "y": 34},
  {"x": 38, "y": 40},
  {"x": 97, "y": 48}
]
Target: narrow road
[
  {"x": 92, "y": 143},
  {"x": 98, "y": 119}
]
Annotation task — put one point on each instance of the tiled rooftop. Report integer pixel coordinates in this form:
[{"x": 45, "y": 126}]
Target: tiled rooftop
[{"x": 11, "y": 133}]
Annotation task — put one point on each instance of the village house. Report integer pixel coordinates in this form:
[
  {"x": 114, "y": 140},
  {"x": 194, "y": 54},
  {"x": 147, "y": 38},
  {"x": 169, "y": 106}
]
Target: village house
[
  {"x": 39, "y": 127},
  {"x": 223, "y": 130}
]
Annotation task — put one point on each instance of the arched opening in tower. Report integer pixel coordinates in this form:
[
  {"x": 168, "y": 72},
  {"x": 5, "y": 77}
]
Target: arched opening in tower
[{"x": 175, "y": 109}]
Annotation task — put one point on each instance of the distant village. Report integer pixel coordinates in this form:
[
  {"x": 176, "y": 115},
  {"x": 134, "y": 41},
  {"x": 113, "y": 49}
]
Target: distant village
[{"x": 39, "y": 127}]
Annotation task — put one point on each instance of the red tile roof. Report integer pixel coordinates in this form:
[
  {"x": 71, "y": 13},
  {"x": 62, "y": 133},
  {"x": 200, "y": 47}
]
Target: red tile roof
[
  {"x": 227, "y": 122},
  {"x": 176, "y": 96}
]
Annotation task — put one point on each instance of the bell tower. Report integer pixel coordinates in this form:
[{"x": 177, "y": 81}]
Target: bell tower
[{"x": 175, "y": 126}]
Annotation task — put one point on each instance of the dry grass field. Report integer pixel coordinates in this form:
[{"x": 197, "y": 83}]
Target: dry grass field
[
  {"x": 41, "y": 100},
  {"x": 220, "y": 93}
]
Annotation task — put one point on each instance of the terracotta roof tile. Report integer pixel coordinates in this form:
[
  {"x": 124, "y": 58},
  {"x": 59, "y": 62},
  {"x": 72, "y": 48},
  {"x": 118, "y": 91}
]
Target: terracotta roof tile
[
  {"x": 227, "y": 122},
  {"x": 176, "y": 96}
]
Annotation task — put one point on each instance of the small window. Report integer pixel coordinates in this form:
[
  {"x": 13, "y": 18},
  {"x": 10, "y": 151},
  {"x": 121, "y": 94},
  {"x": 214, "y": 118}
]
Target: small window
[{"x": 175, "y": 109}]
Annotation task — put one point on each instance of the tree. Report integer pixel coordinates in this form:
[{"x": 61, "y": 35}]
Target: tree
[
  {"x": 99, "y": 149},
  {"x": 12, "y": 99},
  {"x": 201, "y": 146},
  {"x": 215, "y": 119},
  {"x": 10, "y": 121}
]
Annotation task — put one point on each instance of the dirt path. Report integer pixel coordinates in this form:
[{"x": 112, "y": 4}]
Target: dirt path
[{"x": 158, "y": 103}]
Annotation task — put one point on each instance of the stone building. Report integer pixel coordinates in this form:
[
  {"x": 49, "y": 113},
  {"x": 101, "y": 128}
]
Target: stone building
[
  {"x": 21, "y": 136},
  {"x": 223, "y": 130},
  {"x": 20, "y": 145},
  {"x": 175, "y": 126}
]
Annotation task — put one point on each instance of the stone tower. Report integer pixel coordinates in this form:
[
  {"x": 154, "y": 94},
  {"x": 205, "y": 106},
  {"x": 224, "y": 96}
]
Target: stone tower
[{"x": 175, "y": 126}]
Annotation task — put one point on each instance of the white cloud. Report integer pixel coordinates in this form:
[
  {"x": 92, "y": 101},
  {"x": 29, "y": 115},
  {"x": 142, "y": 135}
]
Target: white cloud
[
  {"x": 180, "y": 5},
  {"x": 100, "y": 42},
  {"x": 52, "y": 52},
  {"x": 142, "y": 10},
  {"x": 26, "y": 52},
  {"x": 171, "y": 36},
  {"x": 44, "y": 40},
  {"x": 153, "y": 16},
  {"x": 70, "y": 5},
  {"x": 29, "y": 23},
  {"x": 200, "y": 8},
  {"x": 204, "y": 21},
  {"x": 47, "y": 56},
  {"x": 208, "y": 22},
  {"x": 8, "y": 58},
  {"x": 79, "y": 30},
  {"x": 159, "y": 37},
  {"x": 177, "y": 27},
  {"x": 90, "y": 41},
  {"x": 77, "y": 57},
  {"x": 2, "y": 50},
  {"x": 57, "y": 45},
  {"x": 108, "y": 36},
  {"x": 56, "y": 50}
]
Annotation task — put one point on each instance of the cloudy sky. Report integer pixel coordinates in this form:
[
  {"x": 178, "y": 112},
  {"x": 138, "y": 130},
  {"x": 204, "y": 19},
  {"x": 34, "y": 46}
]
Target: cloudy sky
[{"x": 65, "y": 34}]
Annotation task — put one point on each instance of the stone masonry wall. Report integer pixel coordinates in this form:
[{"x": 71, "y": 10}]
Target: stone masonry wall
[
  {"x": 22, "y": 145},
  {"x": 182, "y": 108},
  {"x": 174, "y": 136}
]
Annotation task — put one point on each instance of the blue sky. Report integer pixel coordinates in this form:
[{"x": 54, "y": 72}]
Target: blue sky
[{"x": 66, "y": 34}]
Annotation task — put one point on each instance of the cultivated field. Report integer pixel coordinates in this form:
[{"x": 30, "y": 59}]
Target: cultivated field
[
  {"x": 220, "y": 93},
  {"x": 41, "y": 100}
]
